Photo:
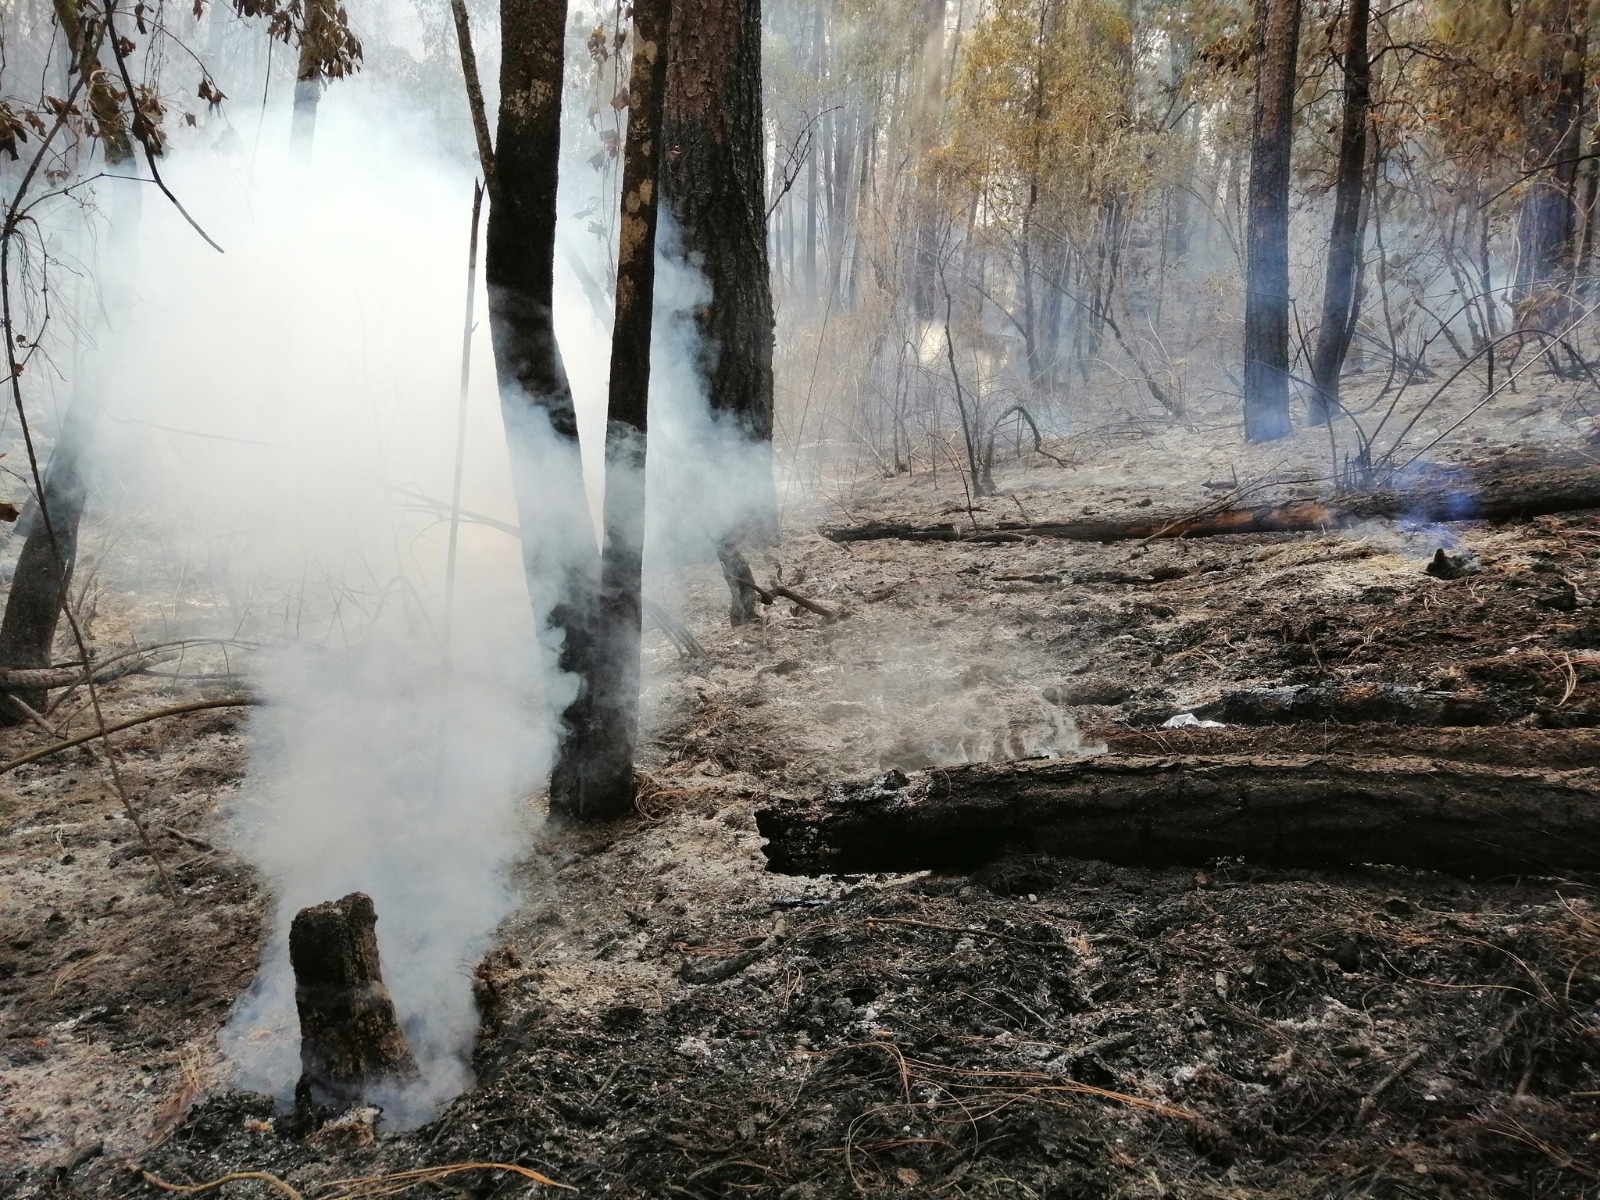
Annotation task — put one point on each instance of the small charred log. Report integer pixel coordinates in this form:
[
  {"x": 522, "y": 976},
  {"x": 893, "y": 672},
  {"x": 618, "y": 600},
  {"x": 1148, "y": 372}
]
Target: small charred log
[{"x": 350, "y": 1040}]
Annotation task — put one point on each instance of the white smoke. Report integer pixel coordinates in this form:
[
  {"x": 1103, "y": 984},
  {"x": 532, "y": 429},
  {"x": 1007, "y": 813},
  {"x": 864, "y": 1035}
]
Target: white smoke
[{"x": 280, "y": 440}]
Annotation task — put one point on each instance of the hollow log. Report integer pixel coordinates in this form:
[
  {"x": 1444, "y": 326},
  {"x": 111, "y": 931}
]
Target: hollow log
[
  {"x": 350, "y": 1040},
  {"x": 1290, "y": 810},
  {"x": 1509, "y": 489}
]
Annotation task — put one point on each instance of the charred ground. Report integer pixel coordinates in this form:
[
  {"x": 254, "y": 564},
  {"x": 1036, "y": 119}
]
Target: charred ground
[{"x": 664, "y": 1017}]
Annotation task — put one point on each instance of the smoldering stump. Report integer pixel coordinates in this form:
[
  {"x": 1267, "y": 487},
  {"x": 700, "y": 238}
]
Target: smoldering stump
[{"x": 350, "y": 1039}]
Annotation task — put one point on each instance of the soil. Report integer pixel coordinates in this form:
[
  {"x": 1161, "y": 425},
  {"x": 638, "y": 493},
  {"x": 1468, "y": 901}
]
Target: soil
[{"x": 664, "y": 1017}]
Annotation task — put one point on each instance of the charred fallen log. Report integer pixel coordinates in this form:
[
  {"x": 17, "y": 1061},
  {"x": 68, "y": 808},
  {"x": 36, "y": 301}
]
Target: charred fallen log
[
  {"x": 1509, "y": 489},
  {"x": 1290, "y": 810},
  {"x": 1353, "y": 703},
  {"x": 350, "y": 1041}
]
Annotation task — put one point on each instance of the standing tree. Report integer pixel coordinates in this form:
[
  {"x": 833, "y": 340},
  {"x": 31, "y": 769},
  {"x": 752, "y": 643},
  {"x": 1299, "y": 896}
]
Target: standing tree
[
  {"x": 1344, "y": 242},
  {"x": 1266, "y": 311},
  {"x": 328, "y": 50},
  {"x": 43, "y": 575},
  {"x": 714, "y": 177},
  {"x": 1548, "y": 220}
]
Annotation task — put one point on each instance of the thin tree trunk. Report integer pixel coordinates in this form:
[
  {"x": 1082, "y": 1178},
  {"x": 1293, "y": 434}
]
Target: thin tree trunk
[
  {"x": 599, "y": 757},
  {"x": 1344, "y": 242},
  {"x": 1548, "y": 219},
  {"x": 1266, "y": 313},
  {"x": 43, "y": 575}
]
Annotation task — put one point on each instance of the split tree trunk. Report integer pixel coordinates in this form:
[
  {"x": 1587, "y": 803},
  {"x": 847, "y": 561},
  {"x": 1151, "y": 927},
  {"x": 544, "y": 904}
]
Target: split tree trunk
[
  {"x": 1288, "y": 810},
  {"x": 1266, "y": 312},
  {"x": 597, "y": 758},
  {"x": 350, "y": 1039},
  {"x": 1344, "y": 241},
  {"x": 714, "y": 179},
  {"x": 541, "y": 422}
]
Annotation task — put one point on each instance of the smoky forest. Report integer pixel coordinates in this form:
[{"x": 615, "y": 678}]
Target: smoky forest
[{"x": 808, "y": 599}]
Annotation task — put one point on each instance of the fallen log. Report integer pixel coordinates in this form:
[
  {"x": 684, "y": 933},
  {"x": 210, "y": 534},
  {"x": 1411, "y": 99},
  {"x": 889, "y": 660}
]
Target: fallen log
[
  {"x": 1509, "y": 489},
  {"x": 350, "y": 1040},
  {"x": 1139, "y": 810}
]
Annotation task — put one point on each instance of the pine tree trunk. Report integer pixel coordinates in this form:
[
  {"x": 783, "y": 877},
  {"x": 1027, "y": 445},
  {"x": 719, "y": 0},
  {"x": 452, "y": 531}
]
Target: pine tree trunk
[
  {"x": 714, "y": 179},
  {"x": 1266, "y": 313},
  {"x": 1344, "y": 242},
  {"x": 541, "y": 423},
  {"x": 598, "y": 756}
]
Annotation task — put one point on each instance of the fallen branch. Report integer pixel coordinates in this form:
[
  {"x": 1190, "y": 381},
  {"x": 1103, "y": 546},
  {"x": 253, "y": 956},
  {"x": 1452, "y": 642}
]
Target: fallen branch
[
  {"x": 177, "y": 710},
  {"x": 1291, "y": 810},
  {"x": 25, "y": 679},
  {"x": 1509, "y": 490},
  {"x": 778, "y": 592}
]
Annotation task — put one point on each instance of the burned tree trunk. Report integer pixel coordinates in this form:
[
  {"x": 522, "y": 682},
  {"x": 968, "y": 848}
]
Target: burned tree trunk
[
  {"x": 714, "y": 179},
  {"x": 350, "y": 1041},
  {"x": 1266, "y": 311},
  {"x": 1344, "y": 242},
  {"x": 596, "y": 762},
  {"x": 1289, "y": 810},
  {"x": 541, "y": 422}
]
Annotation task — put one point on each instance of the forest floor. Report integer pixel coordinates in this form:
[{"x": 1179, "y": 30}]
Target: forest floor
[{"x": 664, "y": 1017}]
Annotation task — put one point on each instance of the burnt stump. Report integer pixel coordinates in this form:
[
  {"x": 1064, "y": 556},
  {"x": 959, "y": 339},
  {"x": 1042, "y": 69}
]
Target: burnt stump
[{"x": 350, "y": 1040}]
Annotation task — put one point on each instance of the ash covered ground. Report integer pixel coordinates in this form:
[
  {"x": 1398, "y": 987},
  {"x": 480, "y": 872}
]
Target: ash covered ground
[{"x": 663, "y": 1017}]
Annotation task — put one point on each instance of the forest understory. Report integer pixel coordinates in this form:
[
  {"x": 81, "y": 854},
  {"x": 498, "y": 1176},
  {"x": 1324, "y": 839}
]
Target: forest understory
[{"x": 664, "y": 1016}]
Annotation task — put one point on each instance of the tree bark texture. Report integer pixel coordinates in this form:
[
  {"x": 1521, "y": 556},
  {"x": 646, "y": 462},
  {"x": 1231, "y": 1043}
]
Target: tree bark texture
[
  {"x": 350, "y": 1040},
  {"x": 593, "y": 780},
  {"x": 714, "y": 181},
  {"x": 1510, "y": 490},
  {"x": 1266, "y": 313},
  {"x": 1290, "y": 810},
  {"x": 1344, "y": 240}
]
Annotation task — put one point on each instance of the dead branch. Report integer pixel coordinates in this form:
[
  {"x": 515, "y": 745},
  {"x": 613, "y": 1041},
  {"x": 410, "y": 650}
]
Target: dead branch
[
  {"x": 777, "y": 591},
  {"x": 176, "y": 710}
]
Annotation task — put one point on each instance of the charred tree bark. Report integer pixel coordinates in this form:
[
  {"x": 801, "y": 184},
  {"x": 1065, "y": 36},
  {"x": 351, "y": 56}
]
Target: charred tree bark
[
  {"x": 1285, "y": 810},
  {"x": 714, "y": 181},
  {"x": 1513, "y": 489},
  {"x": 350, "y": 1040},
  {"x": 1266, "y": 312},
  {"x": 597, "y": 759},
  {"x": 541, "y": 422},
  {"x": 1344, "y": 242}
]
